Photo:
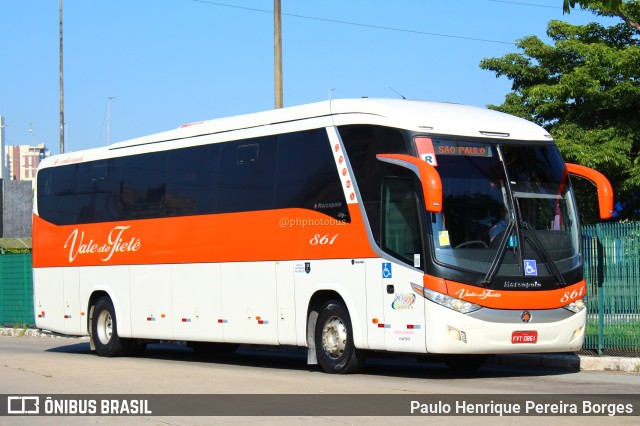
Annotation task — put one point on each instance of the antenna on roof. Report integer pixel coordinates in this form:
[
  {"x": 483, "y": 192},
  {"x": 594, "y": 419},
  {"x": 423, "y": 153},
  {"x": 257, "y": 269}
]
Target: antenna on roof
[
  {"x": 330, "y": 103},
  {"x": 397, "y": 93}
]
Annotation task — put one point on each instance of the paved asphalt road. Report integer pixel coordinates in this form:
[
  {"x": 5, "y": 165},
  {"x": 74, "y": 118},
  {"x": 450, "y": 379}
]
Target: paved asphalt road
[{"x": 55, "y": 366}]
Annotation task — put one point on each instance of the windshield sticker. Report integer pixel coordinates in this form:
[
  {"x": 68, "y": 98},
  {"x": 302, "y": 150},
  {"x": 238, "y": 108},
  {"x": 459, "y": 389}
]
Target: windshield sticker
[
  {"x": 461, "y": 148},
  {"x": 443, "y": 238},
  {"x": 425, "y": 150},
  {"x": 530, "y": 268}
]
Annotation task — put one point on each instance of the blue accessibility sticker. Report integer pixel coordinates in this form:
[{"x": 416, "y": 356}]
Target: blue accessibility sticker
[
  {"x": 530, "y": 268},
  {"x": 386, "y": 270}
]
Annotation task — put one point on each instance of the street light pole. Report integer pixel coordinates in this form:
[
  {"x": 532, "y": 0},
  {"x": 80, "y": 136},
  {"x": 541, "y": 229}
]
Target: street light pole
[
  {"x": 32, "y": 132},
  {"x": 109, "y": 119},
  {"x": 61, "y": 89}
]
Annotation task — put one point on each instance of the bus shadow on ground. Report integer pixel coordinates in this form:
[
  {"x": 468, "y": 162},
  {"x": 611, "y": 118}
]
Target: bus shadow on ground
[{"x": 291, "y": 358}]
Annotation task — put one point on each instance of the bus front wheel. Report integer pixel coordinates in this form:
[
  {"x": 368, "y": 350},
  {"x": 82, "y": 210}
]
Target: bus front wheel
[
  {"x": 104, "y": 330},
  {"x": 335, "y": 350}
]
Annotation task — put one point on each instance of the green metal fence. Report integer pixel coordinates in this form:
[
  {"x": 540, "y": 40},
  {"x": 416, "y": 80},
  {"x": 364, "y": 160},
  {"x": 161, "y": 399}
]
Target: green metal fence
[
  {"x": 612, "y": 271},
  {"x": 16, "y": 290}
]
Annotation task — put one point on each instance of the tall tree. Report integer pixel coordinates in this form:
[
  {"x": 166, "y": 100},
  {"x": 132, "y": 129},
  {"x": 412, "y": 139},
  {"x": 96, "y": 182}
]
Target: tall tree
[
  {"x": 619, "y": 8},
  {"x": 585, "y": 89},
  {"x": 610, "y": 5}
]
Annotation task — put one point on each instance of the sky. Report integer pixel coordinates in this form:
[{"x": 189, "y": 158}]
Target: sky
[{"x": 165, "y": 63}]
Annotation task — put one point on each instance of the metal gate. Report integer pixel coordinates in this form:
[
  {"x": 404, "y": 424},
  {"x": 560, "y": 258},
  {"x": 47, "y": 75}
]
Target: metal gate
[
  {"x": 16, "y": 290},
  {"x": 612, "y": 271}
]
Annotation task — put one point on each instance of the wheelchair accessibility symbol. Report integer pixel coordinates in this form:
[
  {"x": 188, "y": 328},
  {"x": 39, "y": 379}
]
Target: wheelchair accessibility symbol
[
  {"x": 530, "y": 268},
  {"x": 386, "y": 270}
]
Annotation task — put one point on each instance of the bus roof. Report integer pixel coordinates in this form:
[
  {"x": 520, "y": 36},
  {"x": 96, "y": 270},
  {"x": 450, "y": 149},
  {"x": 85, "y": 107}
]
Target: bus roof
[
  {"x": 430, "y": 117},
  {"x": 434, "y": 118}
]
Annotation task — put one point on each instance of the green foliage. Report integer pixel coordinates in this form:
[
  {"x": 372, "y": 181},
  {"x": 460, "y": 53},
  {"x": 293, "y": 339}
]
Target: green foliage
[
  {"x": 625, "y": 10},
  {"x": 15, "y": 251},
  {"x": 585, "y": 89},
  {"x": 610, "y": 5}
]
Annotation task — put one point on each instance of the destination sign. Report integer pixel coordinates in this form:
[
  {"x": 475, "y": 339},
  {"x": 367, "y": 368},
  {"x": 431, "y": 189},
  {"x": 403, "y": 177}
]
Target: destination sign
[{"x": 461, "y": 148}]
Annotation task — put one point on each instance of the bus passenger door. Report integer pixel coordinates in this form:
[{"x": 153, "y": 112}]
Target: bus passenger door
[{"x": 404, "y": 319}]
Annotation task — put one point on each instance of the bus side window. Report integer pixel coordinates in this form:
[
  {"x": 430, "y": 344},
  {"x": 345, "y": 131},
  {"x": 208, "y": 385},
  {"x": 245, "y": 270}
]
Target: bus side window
[
  {"x": 45, "y": 198},
  {"x": 143, "y": 185},
  {"x": 248, "y": 154},
  {"x": 401, "y": 235},
  {"x": 362, "y": 143},
  {"x": 191, "y": 181},
  {"x": 306, "y": 175},
  {"x": 105, "y": 179},
  {"x": 58, "y": 201},
  {"x": 247, "y": 175}
]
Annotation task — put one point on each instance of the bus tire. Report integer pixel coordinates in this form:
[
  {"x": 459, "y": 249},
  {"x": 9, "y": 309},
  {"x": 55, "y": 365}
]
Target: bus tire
[
  {"x": 104, "y": 330},
  {"x": 335, "y": 350}
]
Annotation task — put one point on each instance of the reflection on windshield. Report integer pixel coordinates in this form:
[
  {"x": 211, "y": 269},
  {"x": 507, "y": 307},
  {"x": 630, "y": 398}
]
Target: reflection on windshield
[{"x": 523, "y": 204}]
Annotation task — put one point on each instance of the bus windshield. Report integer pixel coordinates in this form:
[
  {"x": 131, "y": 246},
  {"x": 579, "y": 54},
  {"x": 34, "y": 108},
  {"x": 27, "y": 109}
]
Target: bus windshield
[{"x": 506, "y": 208}]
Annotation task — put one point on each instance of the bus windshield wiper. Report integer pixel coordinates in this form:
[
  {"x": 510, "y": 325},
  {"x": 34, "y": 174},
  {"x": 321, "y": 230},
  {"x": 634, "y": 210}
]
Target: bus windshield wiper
[
  {"x": 497, "y": 260},
  {"x": 539, "y": 248}
]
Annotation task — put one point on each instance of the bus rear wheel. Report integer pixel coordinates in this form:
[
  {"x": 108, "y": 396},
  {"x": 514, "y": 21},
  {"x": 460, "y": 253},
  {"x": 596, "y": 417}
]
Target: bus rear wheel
[
  {"x": 335, "y": 350},
  {"x": 104, "y": 330}
]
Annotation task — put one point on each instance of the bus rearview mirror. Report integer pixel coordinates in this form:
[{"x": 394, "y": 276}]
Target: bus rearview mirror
[
  {"x": 605, "y": 191},
  {"x": 428, "y": 175}
]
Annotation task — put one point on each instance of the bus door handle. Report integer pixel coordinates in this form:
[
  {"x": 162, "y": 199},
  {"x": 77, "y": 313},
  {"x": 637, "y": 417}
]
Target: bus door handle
[{"x": 391, "y": 289}]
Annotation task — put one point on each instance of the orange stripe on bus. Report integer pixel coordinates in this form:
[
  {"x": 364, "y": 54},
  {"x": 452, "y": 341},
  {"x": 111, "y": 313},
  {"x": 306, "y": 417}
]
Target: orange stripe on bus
[
  {"x": 508, "y": 299},
  {"x": 285, "y": 234}
]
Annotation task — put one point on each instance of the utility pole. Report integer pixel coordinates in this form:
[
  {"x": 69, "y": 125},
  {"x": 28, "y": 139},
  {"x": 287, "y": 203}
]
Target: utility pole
[
  {"x": 61, "y": 89},
  {"x": 277, "y": 37}
]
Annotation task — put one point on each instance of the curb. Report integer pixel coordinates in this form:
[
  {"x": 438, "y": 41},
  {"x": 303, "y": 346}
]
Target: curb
[
  {"x": 33, "y": 332},
  {"x": 564, "y": 361},
  {"x": 572, "y": 362}
]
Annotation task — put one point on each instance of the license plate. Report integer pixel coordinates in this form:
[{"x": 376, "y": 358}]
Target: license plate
[{"x": 524, "y": 337}]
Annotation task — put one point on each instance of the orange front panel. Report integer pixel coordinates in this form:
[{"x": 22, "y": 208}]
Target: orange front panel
[
  {"x": 285, "y": 234},
  {"x": 508, "y": 299}
]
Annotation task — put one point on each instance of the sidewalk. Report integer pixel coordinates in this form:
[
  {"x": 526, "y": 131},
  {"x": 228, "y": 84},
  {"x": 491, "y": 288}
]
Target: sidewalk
[
  {"x": 568, "y": 361},
  {"x": 565, "y": 361}
]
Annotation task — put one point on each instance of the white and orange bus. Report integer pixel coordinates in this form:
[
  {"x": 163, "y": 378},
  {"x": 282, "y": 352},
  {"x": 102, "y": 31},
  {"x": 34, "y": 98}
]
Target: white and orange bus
[{"x": 344, "y": 226}]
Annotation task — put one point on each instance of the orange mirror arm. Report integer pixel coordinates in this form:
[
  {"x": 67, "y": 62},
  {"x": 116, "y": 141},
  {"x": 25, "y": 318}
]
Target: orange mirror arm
[
  {"x": 429, "y": 177},
  {"x": 605, "y": 191}
]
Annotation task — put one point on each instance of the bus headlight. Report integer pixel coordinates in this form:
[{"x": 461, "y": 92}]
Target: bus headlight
[
  {"x": 577, "y": 305},
  {"x": 457, "y": 305}
]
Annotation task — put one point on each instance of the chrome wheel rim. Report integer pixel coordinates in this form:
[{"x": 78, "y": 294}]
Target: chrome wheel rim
[
  {"x": 105, "y": 327},
  {"x": 334, "y": 337}
]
